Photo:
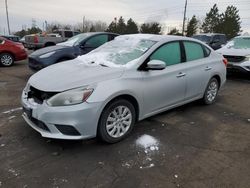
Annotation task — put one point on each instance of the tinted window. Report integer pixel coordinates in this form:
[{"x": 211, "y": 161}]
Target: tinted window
[
  {"x": 207, "y": 51},
  {"x": 111, "y": 37},
  {"x": 223, "y": 39},
  {"x": 1, "y": 41},
  {"x": 97, "y": 41},
  {"x": 193, "y": 51},
  {"x": 68, "y": 34},
  {"x": 169, "y": 53},
  {"x": 216, "y": 37}
]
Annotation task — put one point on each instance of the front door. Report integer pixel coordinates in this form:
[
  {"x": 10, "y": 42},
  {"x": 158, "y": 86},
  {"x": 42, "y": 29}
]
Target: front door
[{"x": 164, "y": 88}]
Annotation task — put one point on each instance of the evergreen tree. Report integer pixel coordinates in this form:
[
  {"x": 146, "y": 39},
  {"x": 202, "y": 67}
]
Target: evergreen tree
[
  {"x": 192, "y": 26},
  {"x": 212, "y": 21},
  {"x": 112, "y": 27},
  {"x": 174, "y": 32},
  {"x": 131, "y": 27},
  {"x": 121, "y": 26},
  {"x": 230, "y": 23},
  {"x": 152, "y": 28},
  {"x": 92, "y": 29}
]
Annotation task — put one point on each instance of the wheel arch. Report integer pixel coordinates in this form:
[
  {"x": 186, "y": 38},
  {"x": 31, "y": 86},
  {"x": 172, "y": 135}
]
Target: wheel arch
[
  {"x": 218, "y": 78},
  {"x": 127, "y": 97},
  {"x": 13, "y": 55}
]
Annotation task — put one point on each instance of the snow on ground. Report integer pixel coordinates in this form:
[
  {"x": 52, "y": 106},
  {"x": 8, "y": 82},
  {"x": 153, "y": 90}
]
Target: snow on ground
[
  {"x": 12, "y": 110},
  {"x": 150, "y": 146},
  {"x": 148, "y": 143}
]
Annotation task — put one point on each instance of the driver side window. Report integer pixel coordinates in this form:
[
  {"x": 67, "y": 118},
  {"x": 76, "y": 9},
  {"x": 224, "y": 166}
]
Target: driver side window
[
  {"x": 169, "y": 53},
  {"x": 97, "y": 41}
]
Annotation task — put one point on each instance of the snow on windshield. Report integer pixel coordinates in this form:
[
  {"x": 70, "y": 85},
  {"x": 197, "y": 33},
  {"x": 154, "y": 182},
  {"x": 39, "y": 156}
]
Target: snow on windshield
[
  {"x": 239, "y": 43},
  {"x": 122, "y": 51}
]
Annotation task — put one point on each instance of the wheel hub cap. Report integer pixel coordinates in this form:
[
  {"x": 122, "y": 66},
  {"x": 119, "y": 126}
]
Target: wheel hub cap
[
  {"x": 119, "y": 121},
  {"x": 6, "y": 60}
]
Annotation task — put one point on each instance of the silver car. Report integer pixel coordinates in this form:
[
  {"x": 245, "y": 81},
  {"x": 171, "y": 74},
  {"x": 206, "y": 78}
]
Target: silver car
[
  {"x": 237, "y": 52},
  {"x": 126, "y": 80}
]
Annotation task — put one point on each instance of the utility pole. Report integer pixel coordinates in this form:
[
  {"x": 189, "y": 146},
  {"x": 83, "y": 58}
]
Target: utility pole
[
  {"x": 184, "y": 18},
  {"x": 7, "y": 14}
]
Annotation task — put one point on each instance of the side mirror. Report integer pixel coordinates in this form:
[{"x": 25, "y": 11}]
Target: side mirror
[{"x": 156, "y": 65}]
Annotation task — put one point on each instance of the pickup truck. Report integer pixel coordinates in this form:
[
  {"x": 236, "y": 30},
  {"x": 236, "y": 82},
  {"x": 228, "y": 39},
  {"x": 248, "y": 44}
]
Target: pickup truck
[{"x": 40, "y": 40}]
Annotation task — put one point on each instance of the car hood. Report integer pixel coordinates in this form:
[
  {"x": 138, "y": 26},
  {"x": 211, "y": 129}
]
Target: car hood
[
  {"x": 49, "y": 49},
  {"x": 72, "y": 74},
  {"x": 234, "y": 51}
]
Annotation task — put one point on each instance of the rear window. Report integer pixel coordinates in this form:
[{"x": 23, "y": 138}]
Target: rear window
[
  {"x": 193, "y": 51},
  {"x": 68, "y": 34}
]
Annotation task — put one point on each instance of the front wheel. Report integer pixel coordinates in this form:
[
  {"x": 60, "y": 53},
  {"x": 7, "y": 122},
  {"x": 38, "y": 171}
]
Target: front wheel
[
  {"x": 211, "y": 91},
  {"x": 117, "y": 121},
  {"x": 6, "y": 59}
]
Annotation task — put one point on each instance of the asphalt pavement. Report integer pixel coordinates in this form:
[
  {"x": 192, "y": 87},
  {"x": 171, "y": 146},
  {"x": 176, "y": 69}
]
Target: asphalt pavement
[{"x": 190, "y": 146}]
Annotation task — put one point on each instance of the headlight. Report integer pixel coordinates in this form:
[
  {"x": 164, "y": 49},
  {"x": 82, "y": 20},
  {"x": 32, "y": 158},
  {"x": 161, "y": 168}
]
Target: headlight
[
  {"x": 47, "y": 55},
  {"x": 247, "y": 58},
  {"x": 71, "y": 97}
]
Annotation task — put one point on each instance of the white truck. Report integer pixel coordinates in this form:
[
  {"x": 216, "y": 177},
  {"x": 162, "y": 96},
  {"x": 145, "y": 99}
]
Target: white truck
[{"x": 40, "y": 40}]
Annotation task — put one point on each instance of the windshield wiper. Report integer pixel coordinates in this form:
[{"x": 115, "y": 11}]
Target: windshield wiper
[{"x": 103, "y": 65}]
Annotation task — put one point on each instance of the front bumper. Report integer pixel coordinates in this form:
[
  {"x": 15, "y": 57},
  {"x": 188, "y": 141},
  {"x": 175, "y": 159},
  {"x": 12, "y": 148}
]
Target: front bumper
[
  {"x": 48, "y": 121},
  {"x": 35, "y": 65},
  {"x": 237, "y": 67}
]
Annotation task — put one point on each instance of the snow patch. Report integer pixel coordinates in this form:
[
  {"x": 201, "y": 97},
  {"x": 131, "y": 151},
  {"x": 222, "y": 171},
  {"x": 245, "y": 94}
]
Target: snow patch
[
  {"x": 12, "y": 110},
  {"x": 11, "y": 117},
  {"x": 148, "y": 142}
]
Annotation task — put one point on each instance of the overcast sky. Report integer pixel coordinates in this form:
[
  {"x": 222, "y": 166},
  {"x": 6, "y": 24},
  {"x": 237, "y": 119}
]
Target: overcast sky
[{"x": 168, "y": 12}]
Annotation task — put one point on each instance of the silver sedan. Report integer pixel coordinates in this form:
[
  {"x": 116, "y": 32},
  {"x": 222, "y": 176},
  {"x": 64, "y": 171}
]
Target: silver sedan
[{"x": 126, "y": 80}]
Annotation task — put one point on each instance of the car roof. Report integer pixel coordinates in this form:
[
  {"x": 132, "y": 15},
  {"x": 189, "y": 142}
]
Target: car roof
[
  {"x": 157, "y": 38},
  {"x": 243, "y": 36},
  {"x": 210, "y": 34}
]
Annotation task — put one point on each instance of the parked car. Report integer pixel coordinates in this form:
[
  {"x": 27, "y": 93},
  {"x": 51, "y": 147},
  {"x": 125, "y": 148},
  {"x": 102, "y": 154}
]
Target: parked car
[
  {"x": 40, "y": 40},
  {"x": 75, "y": 46},
  {"x": 214, "y": 40},
  {"x": 11, "y": 51},
  {"x": 131, "y": 78},
  {"x": 13, "y": 38},
  {"x": 237, "y": 52}
]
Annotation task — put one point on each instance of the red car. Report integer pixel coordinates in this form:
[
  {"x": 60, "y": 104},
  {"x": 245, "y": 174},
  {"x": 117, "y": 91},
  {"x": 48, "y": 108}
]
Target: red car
[{"x": 11, "y": 51}]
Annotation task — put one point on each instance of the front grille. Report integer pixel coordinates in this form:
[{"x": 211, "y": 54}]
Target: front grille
[
  {"x": 235, "y": 59},
  {"x": 39, "y": 96},
  {"x": 39, "y": 124}
]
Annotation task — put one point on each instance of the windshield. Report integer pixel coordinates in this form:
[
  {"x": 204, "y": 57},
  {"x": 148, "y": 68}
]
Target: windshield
[
  {"x": 203, "y": 38},
  {"x": 73, "y": 41},
  {"x": 239, "y": 43},
  {"x": 119, "y": 52}
]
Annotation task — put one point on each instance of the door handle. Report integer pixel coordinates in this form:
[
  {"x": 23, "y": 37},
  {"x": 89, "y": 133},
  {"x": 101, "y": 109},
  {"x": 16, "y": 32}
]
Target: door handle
[
  {"x": 208, "y": 68},
  {"x": 180, "y": 75}
]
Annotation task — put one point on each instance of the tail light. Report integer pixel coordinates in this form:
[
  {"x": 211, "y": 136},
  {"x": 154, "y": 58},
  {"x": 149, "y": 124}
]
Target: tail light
[
  {"x": 35, "y": 39},
  {"x": 225, "y": 61}
]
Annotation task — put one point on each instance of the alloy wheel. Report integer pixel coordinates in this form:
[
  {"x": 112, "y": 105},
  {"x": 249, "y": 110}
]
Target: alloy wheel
[{"x": 119, "y": 121}]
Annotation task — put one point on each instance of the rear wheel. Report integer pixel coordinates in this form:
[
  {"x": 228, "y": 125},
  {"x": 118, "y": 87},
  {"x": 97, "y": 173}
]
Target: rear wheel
[
  {"x": 6, "y": 59},
  {"x": 117, "y": 121},
  {"x": 211, "y": 91}
]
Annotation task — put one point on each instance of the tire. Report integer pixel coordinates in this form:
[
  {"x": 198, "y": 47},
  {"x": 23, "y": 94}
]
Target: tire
[
  {"x": 117, "y": 121},
  {"x": 211, "y": 91},
  {"x": 6, "y": 59}
]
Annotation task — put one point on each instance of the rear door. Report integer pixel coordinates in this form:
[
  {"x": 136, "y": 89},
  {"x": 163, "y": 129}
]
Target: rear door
[
  {"x": 198, "y": 68},
  {"x": 163, "y": 88}
]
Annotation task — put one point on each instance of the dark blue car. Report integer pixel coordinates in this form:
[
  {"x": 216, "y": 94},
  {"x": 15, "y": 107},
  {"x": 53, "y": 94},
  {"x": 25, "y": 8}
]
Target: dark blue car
[{"x": 78, "y": 45}]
